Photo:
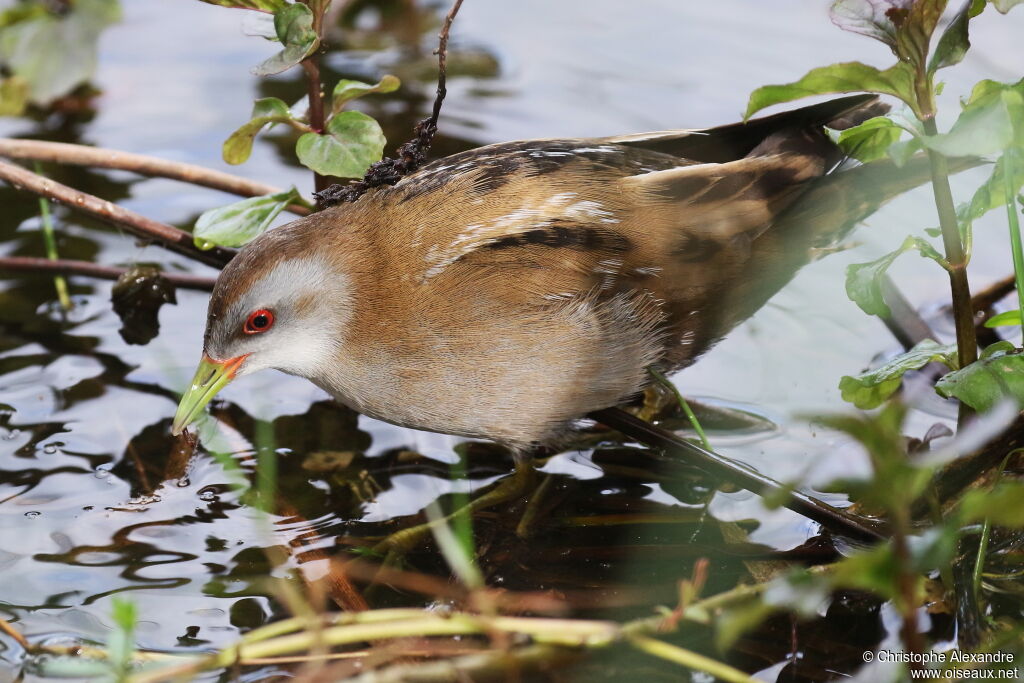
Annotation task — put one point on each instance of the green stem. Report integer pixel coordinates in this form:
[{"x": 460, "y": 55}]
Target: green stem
[
  {"x": 664, "y": 381},
  {"x": 1015, "y": 241},
  {"x": 963, "y": 312},
  {"x": 689, "y": 659},
  {"x": 50, "y": 240},
  {"x": 986, "y": 530}
]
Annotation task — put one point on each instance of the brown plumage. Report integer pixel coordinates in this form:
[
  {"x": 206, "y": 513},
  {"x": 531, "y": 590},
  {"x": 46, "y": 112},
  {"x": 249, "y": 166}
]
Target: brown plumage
[{"x": 505, "y": 291}]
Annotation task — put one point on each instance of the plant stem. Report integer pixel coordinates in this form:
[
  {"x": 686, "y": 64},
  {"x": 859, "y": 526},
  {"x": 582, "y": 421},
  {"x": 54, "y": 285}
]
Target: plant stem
[
  {"x": 83, "y": 155},
  {"x": 963, "y": 312},
  {"x": 315, "y": 89},
  {"x": 664, "y": 381},
  {"x": 59, "y": 283},
  {"x": 1014, "y": 223},
  {"x": 163, "y": 234},
  {"x": 689, "y": 659},
  {"x": 89, "y": 269},
  {"x": 906, "y": 584}
]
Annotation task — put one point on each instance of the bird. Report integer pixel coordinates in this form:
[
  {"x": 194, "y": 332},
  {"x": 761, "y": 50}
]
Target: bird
[{"x": 507, "y": 291}]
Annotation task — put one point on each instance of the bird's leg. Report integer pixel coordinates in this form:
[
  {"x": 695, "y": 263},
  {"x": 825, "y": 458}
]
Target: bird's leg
[{"x": 509, "y": 488}]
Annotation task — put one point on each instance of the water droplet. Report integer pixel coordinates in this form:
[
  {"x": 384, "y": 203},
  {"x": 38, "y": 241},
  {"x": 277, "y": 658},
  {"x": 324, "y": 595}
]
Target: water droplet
[
  {"x": 31, "y": 514},
  {"x": 184, "y": 483},
  {"x": 208, "y": 495},
  {"x": 49, "y": 449}
]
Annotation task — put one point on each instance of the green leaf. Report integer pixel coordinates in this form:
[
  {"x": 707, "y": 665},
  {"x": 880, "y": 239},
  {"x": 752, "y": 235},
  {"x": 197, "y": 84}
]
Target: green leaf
[
  {"x": 901, "y": 152},
  {"x": 864, "y": 284},
  {"x": 238, "y": 223},
  {"x": 352, "y": 142},
  {"x": 294, "y": 26},
  {"x": 13, "y": 96},
  {"x": 871, "y": 139},
  {"x": 1004, "y": 319},
  {"x": 870, "y": 389},
  {"x": 346, "y": 90},
  {"x": 838, "y": 78},
  {"x": 986, "y": 125},
  {"x": 261, "y": 5},
  {"x": 54, "y": 54},
  {"x": 1001, "y": 505},
  {"x": 1005, "y": 6},
  {"x": 986, "y": 382},
  {"x": 992, "y": 193},
  {"x": 864, "y": 280},
  {"x": 955, "y": 40},
  {"x": 268, "y": 110}
]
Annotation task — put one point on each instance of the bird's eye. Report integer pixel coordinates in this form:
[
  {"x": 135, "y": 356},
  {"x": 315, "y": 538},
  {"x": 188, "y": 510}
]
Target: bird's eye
[{"x": 259, "y": 321}]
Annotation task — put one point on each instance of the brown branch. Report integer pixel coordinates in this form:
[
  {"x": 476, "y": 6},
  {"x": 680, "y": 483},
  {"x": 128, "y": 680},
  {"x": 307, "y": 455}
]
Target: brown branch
[
  {"x": 88, "y": 269},
  {"x": 831, "y": 518},
  {"x": 412, "y": 154},
  {"x": 163, "y": 234},
  {"x": 98, "y": 157}
]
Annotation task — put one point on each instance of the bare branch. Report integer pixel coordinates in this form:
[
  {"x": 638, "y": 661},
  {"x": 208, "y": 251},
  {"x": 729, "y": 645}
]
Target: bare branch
[
  {"x": 163, "y": 234},
  {"x": 83, "y": 155},
  {"x": 89, "y": 269}
]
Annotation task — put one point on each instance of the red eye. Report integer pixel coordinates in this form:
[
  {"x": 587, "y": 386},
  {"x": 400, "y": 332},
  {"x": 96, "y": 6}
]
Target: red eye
[{"x": 259, "y": 321}]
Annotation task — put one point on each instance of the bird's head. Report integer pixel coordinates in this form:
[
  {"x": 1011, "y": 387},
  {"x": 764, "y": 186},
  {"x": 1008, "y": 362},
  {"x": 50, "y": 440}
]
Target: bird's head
[{"x": 281, "y": 303}]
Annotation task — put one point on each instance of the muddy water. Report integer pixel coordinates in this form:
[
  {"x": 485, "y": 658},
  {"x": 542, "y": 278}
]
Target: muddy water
[{"x": 85, "y": 511}]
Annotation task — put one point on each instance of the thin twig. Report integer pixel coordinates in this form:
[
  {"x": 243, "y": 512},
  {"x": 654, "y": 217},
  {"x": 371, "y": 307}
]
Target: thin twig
[
  {"x": 163, "y": 234},
  {"x": 99, "y": 157},
  {"x": 6, "y": 627},
  {"x": 88, "y": 269},
  {"x": 412, "y": 154}
]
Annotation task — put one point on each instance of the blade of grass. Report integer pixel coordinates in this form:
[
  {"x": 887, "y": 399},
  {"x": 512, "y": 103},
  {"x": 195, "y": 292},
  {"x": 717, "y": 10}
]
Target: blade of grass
[
  {"x": 59, "y": 282},
  {"x": 1015, "y": 241},
  {"x": 689, "y": 659},
  {"x": 664, "y": 381}
]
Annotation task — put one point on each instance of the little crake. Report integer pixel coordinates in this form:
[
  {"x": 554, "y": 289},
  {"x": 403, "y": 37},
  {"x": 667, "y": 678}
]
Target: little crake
[{"x": 507, "y": 291}]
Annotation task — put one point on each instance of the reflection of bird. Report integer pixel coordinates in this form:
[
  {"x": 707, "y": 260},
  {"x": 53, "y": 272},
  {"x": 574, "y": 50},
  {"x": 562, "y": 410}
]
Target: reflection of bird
[{"x": 505, "y": 291}]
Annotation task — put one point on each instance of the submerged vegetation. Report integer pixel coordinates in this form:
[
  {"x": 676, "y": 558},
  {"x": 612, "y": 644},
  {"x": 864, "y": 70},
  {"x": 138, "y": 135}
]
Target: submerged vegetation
[{"x": 474, "y": 590}]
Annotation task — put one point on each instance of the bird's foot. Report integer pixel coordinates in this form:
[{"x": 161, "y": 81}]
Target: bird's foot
[{"x": 510, "y": 488}]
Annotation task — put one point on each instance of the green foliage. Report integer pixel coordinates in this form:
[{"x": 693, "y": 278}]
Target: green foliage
[
  {"x": 991, "y": 121},
  {"x": 870, "y": 140},
  {"x": 1004, "y": 319},
  {"x": 294, "y": 27},
  {"x": 13, "y": 96},
  {"x": 350, "y": 144},
  {"x": 29, "y": 37},
  {"x": 864, "y": 280},
  {"x": 346, "y": 90},
  {"x": 955, "y": 40},
  {"x": 997, "y": 376},
  {"x": 266, "y": 111},
  {"x": 235, "y": 224},
  {"x": 1001, "y": 505},
  {"x": 838, "y": 78},
  {"x": 870, "y": 389}
]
